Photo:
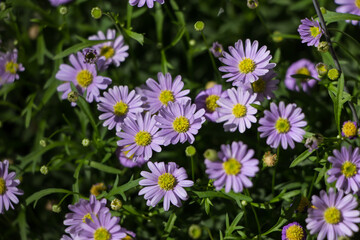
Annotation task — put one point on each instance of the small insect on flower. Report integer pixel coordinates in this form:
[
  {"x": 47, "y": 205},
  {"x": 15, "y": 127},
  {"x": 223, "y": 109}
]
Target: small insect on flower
[
  {"x": 333, "y": 215},
  {"x": 310, "y": 32},
  {"x": 349, "y": 6},
  {"x": 165, "y": 181},
  {"x": 9, "y": 67},
  {"x": 234, "y": 168},
  {"x": 293, "y": 231},
  {"x": 282, "y": 124},
  {"x": 303, "y": 67},
  {"x": 149, "y": 3}
]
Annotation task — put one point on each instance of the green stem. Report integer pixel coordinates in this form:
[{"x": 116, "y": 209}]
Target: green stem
[
  {"x": 128, "y": 16},
  {"x": 211, "y": 56},
  {"x": 314, "y": 177},
  {"x": 255, "y": 215},
  {"x": 192, "y": 168},
  {"x": 274, "y": 172}
]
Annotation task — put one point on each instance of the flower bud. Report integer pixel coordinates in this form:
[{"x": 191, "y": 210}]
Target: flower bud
[
  {"x": 252, "y": 4},
  {"x": 2, "y": 6},
  {"x": 199, "y": 26},
  {"x": 192, "y": 42},
  {"x": 85, "y": 142},
  {"x": 322, "y": 69},
  {"x": 195, "y": 231},
  {"x": 44, "y": 170},
  {"x": 276, "y": 36},
  {"x": 314, "y": 141},
  {"x": 323, "y": 47},
  {"x": 56, "y": 208},
  {"x": 42, "y": 142},
  {"x": 190, "y": 151},
  {"x": 333, "y": 74},
  {"x": 34, "y": 31},
  {"x": 116, "y": 204},
  {"x": 63, "y": 10},
  {"x": 211, "y": 155},
  {"x": 269, "y": 159},
  {"x": 244, "y": 203},
  {"x": 90, "y": 55},
  {"x": 72, "y": 96},
  {"x": 96, "y": 12},
  {"x": 210, "y": 84}
]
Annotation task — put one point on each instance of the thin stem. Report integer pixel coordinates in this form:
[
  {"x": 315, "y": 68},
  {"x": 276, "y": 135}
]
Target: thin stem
[
  {"x": 211, "y": 56},
  {"x": 274, "y": 172},
  {"x": 192, "y": 168},
  {"x": 255, "y": 215}
]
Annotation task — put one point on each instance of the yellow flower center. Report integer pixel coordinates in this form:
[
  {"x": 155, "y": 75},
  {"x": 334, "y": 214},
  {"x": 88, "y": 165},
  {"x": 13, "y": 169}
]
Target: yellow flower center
[
  {"x": 348, "y": 169},
  {"x": 143, "y": 138},
  {"x": 87, "y": 216},
  {"x": 295, "y": 232},
  {"x": 97, "y": 189},
  {"x": 258, "y": 86},
  {"x": 282, "y": 125},
  {"x": 239, "y": 110},
  {"x": 357, "y": 3},
  {"x": 84, "y": 78},
  {"x": 11, "y": 67},
  {"x": 102, "y": 234},
  {"x": 167, "y": 181},
  {"x": 126, "y": 152},
  {"x": 120, "y": 108},
  {"x": 303, "y": 71},
  {"x": 232, "y": 166},
  {"x": 2, "y": 186},
  {"x": 107, "y": 52},
  {"x": 332, "y": 215},
  {"x": 247, "y": 66},
  {"x": 127, "y": 238},
  {"x": 314, "y": 31},
  {"x": 349, "y": 129},
  {"x": 166, "y": 96},
  {"x": 181, "y": 124},
  {"x": 210, "y": 102}
]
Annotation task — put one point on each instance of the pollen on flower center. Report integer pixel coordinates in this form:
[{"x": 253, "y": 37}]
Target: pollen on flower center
[
  {"x": 11, "y": 67},
  {"x": 166, "y": 96},
  {"x": 294, "y": 232},
  {"x": 120, "y": 108},
  {"x": 167, "y": 181},
  {"x": 239, "y": 110},
  {"x": 2, "y": 186},
  {"x": 143, "y": 138},
  {"x": 314, "y": 31},
  {"x": 107, "y": 52},
  {"x": 282, "y": 125},
  {"x": 181, "y": 124},
  {"x": 232, "y": 166},
  {"x": 87, "y": 216},
  {"x": 258, "y": 86},
  {"x": 84, "y": 78},
  {"x": 247, "y": 65},
  {"x": 349, "y": 128},
  {"x": 348, "y": 169},
  {"x": 303, "y": 71},
  {"x": 102, "y": 234},
  {"x": 210, "y": 102},
  {"x": 332, "y": 215}
]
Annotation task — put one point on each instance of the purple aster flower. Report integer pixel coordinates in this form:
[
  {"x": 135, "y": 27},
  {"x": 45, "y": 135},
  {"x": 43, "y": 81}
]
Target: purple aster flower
[
  {"x": 160, "y": 94},
  {"x": 140, "y": 136},
  {"x": 90, "y": 55},
  {"x": 207, "y": 100},
  {"x": 128, "y": 162},
  {"x": 349, "y": 6},
  {"x": 81, "y": 211},
  {"x": 56, "y": 3},
  {"x": 310, "y": 32},
  {"x": 129, "y": 234},
  {"x": 179, "y": 122},
  {"x": 9, "y": 67},
  {"x": 114, "y": 51},
  {"x": 333, "y": 215},
  {"x": 235, "y": 167},
  {"x": 8, "y": 187},
  {"x": 236, "y": 111},
  {"x": 102, "y": 226},
  {"x": 72, "y": 237},
  {"x": 217, "y": 49},
  {"x": 164, "y": 181},
  {"x": 314, "y": 141},
  {"x": 83, "y": 76},
  {"x": 349, "y": 130},
  {"x": 245, "y": 65},
  {"x": 345, "y": 169},
  {"x": 264, "y": 87},
  {"x": 118, "y": 104},
  {"x": 304, "y": 67},
  {"x": 293, "y": 231},
  {"x": 149, "y": 3},
  {"x": 282, "y": 124}
]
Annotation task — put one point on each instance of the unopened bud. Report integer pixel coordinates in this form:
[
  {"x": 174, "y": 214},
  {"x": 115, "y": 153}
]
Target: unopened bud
[
  {"x": 323, "y": 47},
  {"x": 270, "y": 159},
  {"x": 252, "y": 4},
  {"x": 333, "y": 74},
  {"x": 210, "y": 84},
  {"x": 244, "y": 203},
  {"x": 192, "y": 42},
  {"x": 276, "y": 36},
  {"x": 195, "y": 231},
  {"x": 56, "y": 208},
  {"x": 2, "y": 6},
  {"x": 63, "y": 10},
  {"x": 72, "y": 96},
  {"x": 42, "y": 142},
  {"x": 96, "y": 12},
  {"x": 322, "y": 69},
  {"x": 190, "y": 151},
  {"x": 211, "y": 155},
  {"x": 116, "y": 204},
  {"x": 199, "y": 26},
  {"x": 85, "y": 142},
  {"x": 44, "y": 170}
]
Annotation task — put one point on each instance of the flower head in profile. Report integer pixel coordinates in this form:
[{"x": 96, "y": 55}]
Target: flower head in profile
[
  {"x": 217, "y": 49},
  {"x": 140, "y": 136},
  {"x": 236, "y": 111},
  {"x": 310, "y": 32},
  {"x": 264, "y": 87},
  {"x": 345, "y": 169},
  {"x": 159, "y": 94},
  {"x": 282, "y": 124},
  {"x": 165, "y": 181},
  {"x": 349, "y": 130},
  {"x": 56, "y": 3},
  {"x": 83, "y": 76},
  {"x": 128, "y": 162},
  {"x": 349, "y": 6},
  {"x": 179, "y": 122},
  {"x": 207, "y": 100},
  {"x": 246, "y": 64},
  {"x": 81, "y": 211},
  {"x": 333, "y": 215},
  {"x": 118, "y": 104},
  {"x": 8, "y": 188},
  {"x": 293, "y": 231},
  {"x": 314, "y": 141},
  {"x": 112, "y": 52},
  {"x": 234, "y": 169},
  {"x": 303, "y": 67},
  {"x": 103, "y": 227},
  {"x": 149, "y": 3},
  {"x": 9, "y": 67}
]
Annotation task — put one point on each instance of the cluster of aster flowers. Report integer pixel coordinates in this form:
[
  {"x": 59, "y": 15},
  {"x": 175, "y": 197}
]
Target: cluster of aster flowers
[{"x": 9, "y": 67}]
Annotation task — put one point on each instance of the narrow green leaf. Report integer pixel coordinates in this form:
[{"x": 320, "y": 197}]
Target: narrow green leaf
[
  {"x": 42, "y": 193},
  {"x": 339, "y": 101},
  {"x": 301, "y": 158},
  {"x": 170, "y": 223},
  {"x": 136, "y": 36},
  {"x": 123, "y": 188},
  {"x": 330, "y": 17},
  {"x": 78, "y": 47},
  {"x": 177, "y": 38},
  {"x": 84, "y": 106},
  {"x": 103, "y": 168}
]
